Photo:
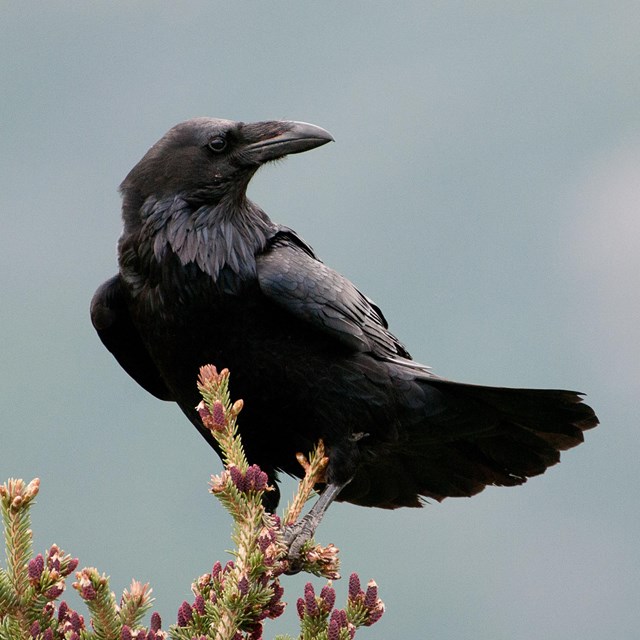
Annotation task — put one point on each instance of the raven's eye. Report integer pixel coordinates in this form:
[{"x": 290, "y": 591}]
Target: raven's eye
[{"x": 217, "y": 144}]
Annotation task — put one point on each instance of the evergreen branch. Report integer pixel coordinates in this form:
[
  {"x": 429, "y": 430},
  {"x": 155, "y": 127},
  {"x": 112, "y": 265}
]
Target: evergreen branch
[
  {"x": 135, "y": 602},
  {"x": 10, "y": 629},
  {"x": 231, "y": 602},
  {"x": 16, "y": 498},
  {"x": 94, "y": 590},
  {"x": 8, "y": 599},
  {"x": 314, "y": 469}
]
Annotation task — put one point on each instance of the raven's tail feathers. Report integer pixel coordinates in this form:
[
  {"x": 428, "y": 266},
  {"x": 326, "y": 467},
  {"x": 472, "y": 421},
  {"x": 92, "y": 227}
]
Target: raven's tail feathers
[{"x": 482, "y": 436}]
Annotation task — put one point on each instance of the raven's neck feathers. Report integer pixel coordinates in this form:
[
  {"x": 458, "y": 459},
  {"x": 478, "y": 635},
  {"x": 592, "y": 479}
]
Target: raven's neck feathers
[{"x": 221, "y": 240}]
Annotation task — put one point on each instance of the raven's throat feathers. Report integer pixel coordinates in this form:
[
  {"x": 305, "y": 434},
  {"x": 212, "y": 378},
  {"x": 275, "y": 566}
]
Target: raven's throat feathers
[{"x": 213, "y": 238}]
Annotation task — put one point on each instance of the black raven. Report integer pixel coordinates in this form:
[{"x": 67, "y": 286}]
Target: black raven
[{"x": 206, "y": 277}]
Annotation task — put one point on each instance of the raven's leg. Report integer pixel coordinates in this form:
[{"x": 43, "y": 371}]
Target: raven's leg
[{"x": 297, "y": 534}]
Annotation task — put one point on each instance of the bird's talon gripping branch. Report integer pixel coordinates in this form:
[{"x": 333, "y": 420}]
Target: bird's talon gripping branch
[
  {"x": 295, "y": 537},
  {"x": 299, "y": 533}
]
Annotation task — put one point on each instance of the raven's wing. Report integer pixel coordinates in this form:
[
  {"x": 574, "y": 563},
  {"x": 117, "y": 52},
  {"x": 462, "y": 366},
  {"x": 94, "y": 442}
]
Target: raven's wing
[
  {"x": 290, "y": 274},
  {"x": 111, "y": 319}
]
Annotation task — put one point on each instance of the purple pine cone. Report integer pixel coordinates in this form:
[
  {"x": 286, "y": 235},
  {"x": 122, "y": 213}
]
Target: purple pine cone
[
  {"x": 371, "y": 597},
  {"x": 63, "y": 609},
  {"x": 375, "y": 615},
  {"x": 156, "y": 621},
  {"x": 71, "y": 566},
  {"x": 256, "y": 479},
  {"x": 198, "y": 605},
  {"x": 341, "y": 616},
  {"x": 263, "y": 542},
  {"x": 53, "y": 592},
  {"x": 88, "y": 592},
  {"x": 354, "y": 586},
  {"x": 310, "y": 600},
  {"x": 218, "y": 413},
  {"x": 76, "y": 621},
  {"x": 243, "y": 586},
  {"x": 185, "y": 614},
  {"x": 237, "y": 478},
  {"x": 36, "y": 567},
  {"x": 333, "y": 633},
  {"x": 328, "y": 595}
]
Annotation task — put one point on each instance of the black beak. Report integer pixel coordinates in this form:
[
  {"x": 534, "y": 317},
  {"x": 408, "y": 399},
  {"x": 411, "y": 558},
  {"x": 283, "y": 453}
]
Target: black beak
[{"x": 279, "y": 138}]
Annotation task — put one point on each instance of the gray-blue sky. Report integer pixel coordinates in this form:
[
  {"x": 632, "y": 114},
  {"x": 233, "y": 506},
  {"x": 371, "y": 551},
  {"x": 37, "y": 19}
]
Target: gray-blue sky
[{"x": 484, "y": 189}]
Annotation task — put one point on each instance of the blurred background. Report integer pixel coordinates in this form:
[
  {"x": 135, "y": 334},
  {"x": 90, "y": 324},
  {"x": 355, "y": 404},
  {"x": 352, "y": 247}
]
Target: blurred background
[{"x": 483, "y": 189}]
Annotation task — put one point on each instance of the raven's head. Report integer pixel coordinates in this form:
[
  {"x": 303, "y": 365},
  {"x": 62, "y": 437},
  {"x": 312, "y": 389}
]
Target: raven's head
[{"x": 207, "y": 160}]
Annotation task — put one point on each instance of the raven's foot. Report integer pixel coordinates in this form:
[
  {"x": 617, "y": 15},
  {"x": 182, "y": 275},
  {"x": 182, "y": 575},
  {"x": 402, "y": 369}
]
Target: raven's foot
[
  {"x": 298, "y": 534},
  {"x": 295, "y": 537}
]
